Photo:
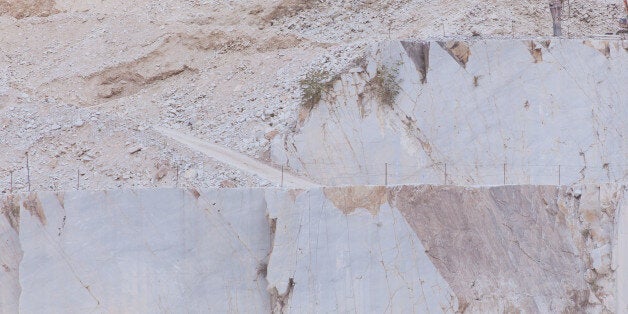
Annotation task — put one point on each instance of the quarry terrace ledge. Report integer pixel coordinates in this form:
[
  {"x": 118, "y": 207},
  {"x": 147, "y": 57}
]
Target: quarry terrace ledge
[{"x": 360, "y": 249}]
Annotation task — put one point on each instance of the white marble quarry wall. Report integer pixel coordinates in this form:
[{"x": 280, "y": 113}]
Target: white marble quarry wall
[
  {"x": 328, "y": 256},
  {"x": 10, "y": 256},
  {"x": 398, "y": 249},
  {"x": 158, "y": 251},
  {"x": 478, "y": 112},
  {"x": 620, "y": 253}
]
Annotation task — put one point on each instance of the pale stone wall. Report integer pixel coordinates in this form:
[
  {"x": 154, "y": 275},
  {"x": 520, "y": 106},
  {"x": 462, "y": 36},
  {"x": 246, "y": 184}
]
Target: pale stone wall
[
  {"x": 475, "y": 105},
  {"x": 437, "y": 249}
]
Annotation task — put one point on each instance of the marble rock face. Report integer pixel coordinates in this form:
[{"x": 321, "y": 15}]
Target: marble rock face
[
  {"x": 481, "y": 112},
  {"x": 436, "y": 249}
]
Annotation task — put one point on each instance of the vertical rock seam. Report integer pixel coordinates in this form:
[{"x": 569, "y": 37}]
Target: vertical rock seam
[{"x": 278, "y": 300}]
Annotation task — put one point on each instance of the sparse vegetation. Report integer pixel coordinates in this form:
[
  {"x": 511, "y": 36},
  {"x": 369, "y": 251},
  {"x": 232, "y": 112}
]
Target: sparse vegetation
[
  {"x": 262, "y": 269},
  {"x": 315, "y": 83},
  {"x": 385, "y": 84}
]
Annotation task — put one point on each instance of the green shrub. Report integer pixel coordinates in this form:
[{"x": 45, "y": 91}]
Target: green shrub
[
  {"x": 385, "y": 85},
  {"x": 315, "y": 83}
]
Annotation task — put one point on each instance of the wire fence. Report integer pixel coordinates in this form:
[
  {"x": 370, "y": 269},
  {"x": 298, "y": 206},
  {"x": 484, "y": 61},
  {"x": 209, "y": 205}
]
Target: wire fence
[
  {"x": 22, "y": 178},
  {"x": 29, "y": 175},
  {"x": 396, "y": 173}
]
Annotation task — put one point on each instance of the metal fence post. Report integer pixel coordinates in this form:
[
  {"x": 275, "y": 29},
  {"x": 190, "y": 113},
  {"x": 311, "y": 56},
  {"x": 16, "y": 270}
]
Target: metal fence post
[
  {"x": 504, "y": 173},
  {"x": 78, "y": 179},
  {"x": 28, "y": 173},
  {"x": 386, "y": 174},
  {"x": 281, "y": 175},
  {"x": 11, "y": 182},
  {"x": 445, "y": 173}
]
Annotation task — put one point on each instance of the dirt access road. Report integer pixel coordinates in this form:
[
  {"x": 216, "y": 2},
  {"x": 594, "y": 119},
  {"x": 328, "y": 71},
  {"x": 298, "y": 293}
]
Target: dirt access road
[{"x": 238, "y": 160}]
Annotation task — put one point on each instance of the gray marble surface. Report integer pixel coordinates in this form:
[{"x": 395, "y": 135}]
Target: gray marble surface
[
  {"x": 476, "y": 112},
  {"x": 399, "y": 249}
]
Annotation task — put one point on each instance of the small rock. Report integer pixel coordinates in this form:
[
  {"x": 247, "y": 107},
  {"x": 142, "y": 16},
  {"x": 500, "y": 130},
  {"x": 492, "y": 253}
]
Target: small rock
[
  {"x": 134, "y": 149},
  {"x": 190, "y": 174},
  {"x": 371, "y": 69},
  {"x": 590, "y": 276},
  {"x": 356, "y": 70},
  {"x": 229, "y": 184},
  {"x": 270, "y": 135},
  {"x": 78, "y": 123},
  {"x": 161, "y": 172},
  {"x": 601, "y": 259},
  {"x": 593, "y": 299}
]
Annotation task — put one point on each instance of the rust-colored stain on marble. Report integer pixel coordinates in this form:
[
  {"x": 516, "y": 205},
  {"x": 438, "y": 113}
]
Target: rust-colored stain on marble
[
  {"x": 33, "y": 205},
  {"x": 294, "y": 193},
  {"x": 350, "y": 198},
  {"x": 458, "y": 50},
  {"x": 11, "y": 211},
  {"x": 195, "y": 192},
  {"x": 535, "y": 52},
  {"x": 603, "y": 47},
  {"x": 513, "y": 235}
]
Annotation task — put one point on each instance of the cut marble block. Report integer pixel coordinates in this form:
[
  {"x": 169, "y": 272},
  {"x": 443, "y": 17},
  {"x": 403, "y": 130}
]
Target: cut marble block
[
  {"x": 398, "y": 249},
  {"x": 475, "y": 112}
]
